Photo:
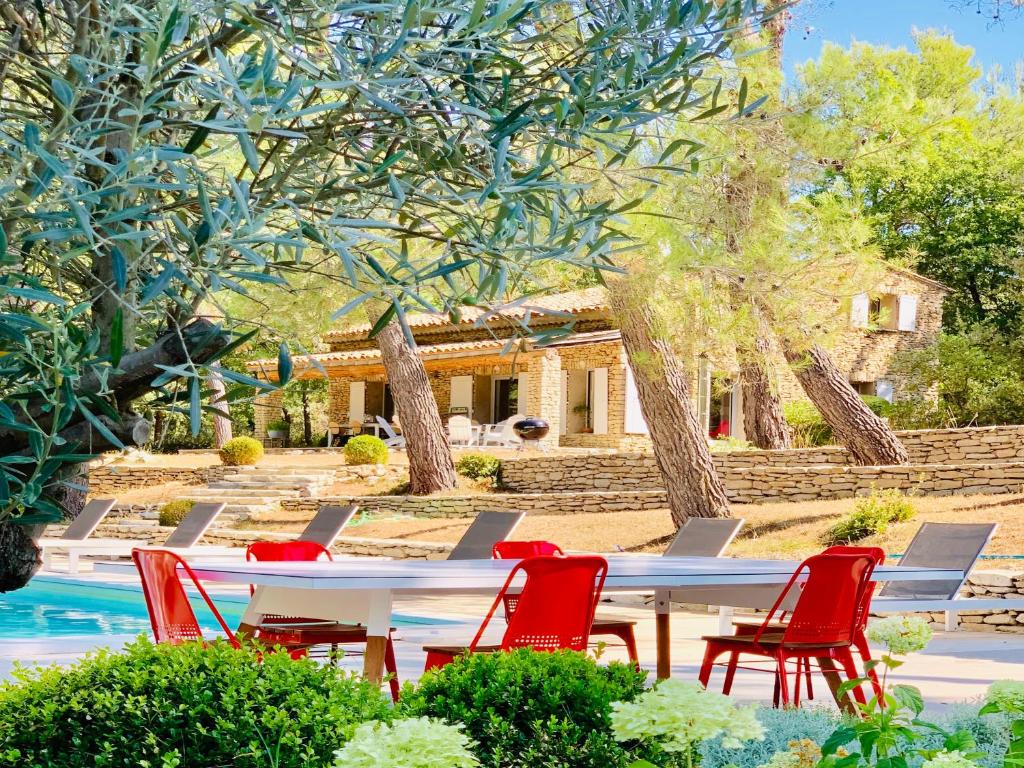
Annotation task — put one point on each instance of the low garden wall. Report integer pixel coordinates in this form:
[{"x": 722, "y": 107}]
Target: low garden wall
[{"x": 112, "y": 479}]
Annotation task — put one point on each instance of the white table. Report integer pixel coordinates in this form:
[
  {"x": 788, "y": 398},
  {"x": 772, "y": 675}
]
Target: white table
[{"x": 363, "y": 590}]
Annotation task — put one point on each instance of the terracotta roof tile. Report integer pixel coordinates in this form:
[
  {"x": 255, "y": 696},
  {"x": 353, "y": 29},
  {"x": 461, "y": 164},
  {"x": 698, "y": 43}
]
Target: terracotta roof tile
[{"x": 373, "y": 355}]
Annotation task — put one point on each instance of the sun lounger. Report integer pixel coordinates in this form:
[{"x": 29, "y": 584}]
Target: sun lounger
[
  {"x": 488, "y": 529},
  {"x": 328, "y": 523}
]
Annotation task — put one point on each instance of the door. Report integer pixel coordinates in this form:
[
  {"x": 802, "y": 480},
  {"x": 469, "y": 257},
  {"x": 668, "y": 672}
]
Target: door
[
  {"x": 599, "y": 400},
  {"x": 503, "y": 402}
]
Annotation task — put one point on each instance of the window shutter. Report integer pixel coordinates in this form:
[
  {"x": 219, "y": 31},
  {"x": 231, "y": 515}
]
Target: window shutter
[
  {"x": 883, "y": 389},
  {"x": 523, "y": 396},
  {"x": 859, "y": 310},
  {"x": 704, "y": 396},
  {"x": 565, "y": 403},
  {"x": 635, "y": 423},
  {"x": 462, "y": 394},
  {"x": 907, "y": 313},
  {"x": 599, "y": 400},
  {"x": 356, "y": 402}
]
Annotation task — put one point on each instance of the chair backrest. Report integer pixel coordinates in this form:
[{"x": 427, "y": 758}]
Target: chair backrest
[
  {"x": 170, "y": 612},
  {"x": 460, "y": 429},
  {"x": 519, "y": 550},
  {"x": 704, "y": 537},
  {"x": 286, "y": 551},
  {"x": 941, "y": 545},
  {"x": 477, "y": 543},
  {"x": 508, "y": 427},
  {"x": 383, "y": 423},
  {"x": 191, "y": 529},
  {"x": 88, "y": 520},
  {"x": 875, "y": 553},
  {"x": 829, "y": 607},
  {"x": 328, "y": 523},
  {"x": 556, "y": 603}
]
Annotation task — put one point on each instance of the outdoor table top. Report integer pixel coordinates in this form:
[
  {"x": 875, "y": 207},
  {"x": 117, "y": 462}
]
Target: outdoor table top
[{"x": 625, "y": 573}]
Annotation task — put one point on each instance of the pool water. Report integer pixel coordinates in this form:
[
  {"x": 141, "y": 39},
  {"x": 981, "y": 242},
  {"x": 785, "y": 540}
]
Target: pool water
[{"x": 56, "y": 607}]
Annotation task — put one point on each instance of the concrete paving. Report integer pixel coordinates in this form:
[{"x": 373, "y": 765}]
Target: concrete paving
[{"x": 956, "y": 667}]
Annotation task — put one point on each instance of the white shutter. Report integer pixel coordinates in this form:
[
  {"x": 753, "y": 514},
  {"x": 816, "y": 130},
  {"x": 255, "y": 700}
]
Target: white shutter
[
  {"x": 356, "y": 402},
  {"x": 907, "y": 313},
  {"x": 565, "y": 403},
  {"x": 860, "y": 309},
  {"x": 523, "y": 403},
  {"x": 599, "y": 400},
  {"x": 883, "y": 389},
  {"x": 704, "y": 396},
  {"x": 462, "y": 394},
  {"x": 635, "y": 423}
]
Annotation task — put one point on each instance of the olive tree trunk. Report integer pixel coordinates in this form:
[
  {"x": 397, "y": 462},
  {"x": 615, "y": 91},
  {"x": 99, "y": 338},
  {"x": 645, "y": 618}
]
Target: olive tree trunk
[
  {"x": 867, "y": 437},
  {"x": 430, "y": 457},
  {"x": 663, "y": 385},
  {"x": 218, "y": 399},
  {"x": 764, "y": 421}
]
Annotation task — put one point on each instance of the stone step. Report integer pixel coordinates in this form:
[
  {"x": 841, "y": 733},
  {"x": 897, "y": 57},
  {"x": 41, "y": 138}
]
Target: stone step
[
  {"x": 236, "y": 500},
  {"x": 306, "y": 479},
  {"x": 278, "y": 471},
  {"x": 249, "y": 493},
  {"x": 276, "y": 485}
]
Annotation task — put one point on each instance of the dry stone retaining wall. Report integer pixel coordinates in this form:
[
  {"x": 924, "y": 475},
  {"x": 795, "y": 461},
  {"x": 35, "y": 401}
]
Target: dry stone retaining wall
[{"x": 112, "y": 479}]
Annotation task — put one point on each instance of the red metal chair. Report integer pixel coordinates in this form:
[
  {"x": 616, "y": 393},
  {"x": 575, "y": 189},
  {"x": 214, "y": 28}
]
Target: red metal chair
[
  {"x": 517, "y": 550},
  {"x": 823, "y": 626},
  {"x": 860, "y": 641},
  {"x": 170, "y": 611},
  {"x": 555, "y": 609},
  {"x": 297, "y": 632}
]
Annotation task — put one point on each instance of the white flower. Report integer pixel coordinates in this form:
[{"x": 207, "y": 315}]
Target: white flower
[
  {"x": 901, "y": 634},
  {"x": 680, "y": 715},
  {"x": 954, "y": 759},
  {"x": 1007, "y": 695},
  {"x": 416, "y": 743},
  {"x": 782, "y": 760}
]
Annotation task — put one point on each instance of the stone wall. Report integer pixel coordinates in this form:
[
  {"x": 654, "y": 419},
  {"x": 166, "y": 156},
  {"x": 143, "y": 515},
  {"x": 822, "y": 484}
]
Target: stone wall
[
  {"x": 113, "y": 479},
  {"x": 1006, "y": 585}
]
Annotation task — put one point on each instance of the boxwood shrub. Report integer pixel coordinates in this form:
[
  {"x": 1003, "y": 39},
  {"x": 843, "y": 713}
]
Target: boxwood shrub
[
  {"x": 185, "y": 706},
  {"x": 478, "y": 466},
  {"x": 241, "y": 451},
  {"x": 173, "y": 512},
  {"x": 527, "y": 709},
  {"x": 366, "y": 449}
]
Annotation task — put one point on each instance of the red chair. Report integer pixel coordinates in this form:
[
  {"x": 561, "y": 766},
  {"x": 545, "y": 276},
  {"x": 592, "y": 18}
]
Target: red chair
[
  {"x": 860, "y": 642},
  {"x": 301, "y": 633},
  {"x": 170, "y": 611},
  {"x": 555, "y": 609},
  {"x": 823, "y": 626},
  {"x": 517, "y": 550}
]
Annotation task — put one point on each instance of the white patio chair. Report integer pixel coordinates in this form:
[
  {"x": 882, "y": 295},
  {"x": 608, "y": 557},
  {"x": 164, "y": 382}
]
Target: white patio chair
[
  {"x": 460, "y": 430},
  {"x": 392, "y": 439},
  {"x": 502, "y": 434}
]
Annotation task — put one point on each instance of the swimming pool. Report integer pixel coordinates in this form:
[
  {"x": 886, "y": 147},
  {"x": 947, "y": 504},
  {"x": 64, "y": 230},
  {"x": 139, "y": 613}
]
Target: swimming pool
[{"x": 57, "y": 607}]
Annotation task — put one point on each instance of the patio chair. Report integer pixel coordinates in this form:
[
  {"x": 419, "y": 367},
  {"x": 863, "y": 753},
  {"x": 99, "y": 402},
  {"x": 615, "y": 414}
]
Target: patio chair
[
  {"x": 942, "y": 545},
  {"x": 327, "y": 524},
  {"x": 392, "y": 439},
  {"x": 555, "y": 609},
  {"x": 298, "y": 633},
  {"x": 460, "y": 430},
  {"x": 79, "y": 529},
  {"x": 182, "y": 540},
  {"x": 823, "y": 626},
  {"x": 501, "y": 434},
  {"x": 477, "y": 543}
]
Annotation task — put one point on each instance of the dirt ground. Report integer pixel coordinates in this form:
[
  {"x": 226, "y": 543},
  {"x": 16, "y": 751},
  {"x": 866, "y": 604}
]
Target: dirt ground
[{"x": 771, "y": 530}]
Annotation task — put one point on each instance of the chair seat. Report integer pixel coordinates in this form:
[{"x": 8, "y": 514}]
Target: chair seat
[
  {"x": 609, "y": 624},
  {"x": 327, "y": 633},
  {"x": 753, "y": 624},
  {"x": 458, "y": 650},
  {"x": 768, "y": 642}
]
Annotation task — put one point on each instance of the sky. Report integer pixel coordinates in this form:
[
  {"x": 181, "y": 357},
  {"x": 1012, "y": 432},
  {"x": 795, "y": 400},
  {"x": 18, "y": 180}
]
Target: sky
[{"x": 890, "y": 22}]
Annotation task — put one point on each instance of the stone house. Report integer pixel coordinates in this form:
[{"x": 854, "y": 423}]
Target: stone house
[{"x": 580, "y": 382}]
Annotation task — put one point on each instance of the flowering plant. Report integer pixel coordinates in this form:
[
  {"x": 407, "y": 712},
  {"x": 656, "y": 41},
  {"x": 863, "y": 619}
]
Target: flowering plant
[
  {"x": 414, "y": 743},
  {"x": 949, "y": 759},
  {"x": 677, "y": 716},
  {"x": 1007, "y": 696},
  {"x": 901, "y": 634}
]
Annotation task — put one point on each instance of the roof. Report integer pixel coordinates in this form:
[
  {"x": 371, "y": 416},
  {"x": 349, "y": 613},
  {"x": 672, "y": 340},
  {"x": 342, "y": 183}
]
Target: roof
[
  {"x": 571, "y": 303},
  {"x": 919, "y": 277}
]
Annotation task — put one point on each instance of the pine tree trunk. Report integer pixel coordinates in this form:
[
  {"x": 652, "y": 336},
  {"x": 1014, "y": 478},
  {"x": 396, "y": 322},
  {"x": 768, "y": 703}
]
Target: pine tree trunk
[
  {"x": 307, "y": 421},
  {"x": 764, "y": 421},
  {"x": 218, "y": 399},
  {"x": 867, "y": 437},
  {"x": 662, "y": 382},
  {"x": 430, "y": 457}
]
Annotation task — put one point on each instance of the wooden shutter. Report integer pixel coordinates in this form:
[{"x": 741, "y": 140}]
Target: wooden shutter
[
  {"x": 599, "y": 400},
  {"x": 635, "y": 423},
  {"x": 565, "y": 403},
  {"x": 356, "y": 402},
  {"x": 462, "y": 394},
  {"x": 523, "y": 398},
  {"x": 907, "y": 313},
  {"x": 860, "y": 310},
  {"x": 883, "y": 389}
]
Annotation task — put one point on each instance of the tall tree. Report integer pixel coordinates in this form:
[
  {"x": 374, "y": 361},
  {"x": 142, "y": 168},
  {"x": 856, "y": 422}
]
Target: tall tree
[{"x": 157, "y": 151}]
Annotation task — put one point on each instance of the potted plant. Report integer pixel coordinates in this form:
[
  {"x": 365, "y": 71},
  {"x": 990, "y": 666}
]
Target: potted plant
[
  {"x": 583, "y": 409},
  {"x": 277, "y": 430}
]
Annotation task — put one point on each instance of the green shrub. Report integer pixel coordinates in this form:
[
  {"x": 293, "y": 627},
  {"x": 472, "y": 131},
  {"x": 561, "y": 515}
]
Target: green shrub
[
  {"x": 190, "y": 706},
  {"x": 241, "y": 451},
  {"x": 478, "y": 466},
  {"x": 280, "y": 425},
  {"x": 871, "y": 515},
  {"x": 173, "y": 512},
  {"x": 809, "y": 428},
  {"x": 527, "y": 709},
  {"x": 366, "y": 449}
]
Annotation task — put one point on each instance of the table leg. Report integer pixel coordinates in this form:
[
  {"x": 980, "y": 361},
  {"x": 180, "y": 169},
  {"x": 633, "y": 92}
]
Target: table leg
[
  {"x": 72, "y": 561},
  {"x": 834, "y": 680},
  {"x": 662, "y": 617},
  {"x": 378, "y": 627}
]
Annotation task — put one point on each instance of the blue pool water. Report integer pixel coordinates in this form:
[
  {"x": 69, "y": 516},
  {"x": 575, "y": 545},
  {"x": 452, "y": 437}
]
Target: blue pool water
[{"x": 50, "y": 608}]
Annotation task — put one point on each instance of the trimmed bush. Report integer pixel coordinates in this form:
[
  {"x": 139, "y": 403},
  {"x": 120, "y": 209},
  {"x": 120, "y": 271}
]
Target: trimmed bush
[
  {"x": 278, "y": 426},
  {"x": 173, "y": 512},
  {"x": 871, "y": 515},
  {"x": 366, "y": 449},
  {"x": 189, "y": 706},
  {"x": 809, "y": 428},
  {"x": 241, "y": 451},
  {"x": 478, "y": 466},
  {"x": 526, "y": 709}
]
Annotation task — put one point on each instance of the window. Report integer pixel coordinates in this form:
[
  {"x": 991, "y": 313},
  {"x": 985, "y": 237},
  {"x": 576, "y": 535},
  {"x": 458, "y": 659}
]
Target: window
[{"x": 884, "y": 312}]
